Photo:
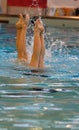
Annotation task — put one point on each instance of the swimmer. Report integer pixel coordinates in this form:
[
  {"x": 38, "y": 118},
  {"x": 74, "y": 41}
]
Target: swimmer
[
  {"x": 21, "y": 26},
  {"x": 37, "y": 59}
]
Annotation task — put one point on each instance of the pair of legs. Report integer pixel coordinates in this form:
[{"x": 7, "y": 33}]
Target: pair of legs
[
  {"x": 37, "y": 59},
  {"x": 21, "y": 26}
]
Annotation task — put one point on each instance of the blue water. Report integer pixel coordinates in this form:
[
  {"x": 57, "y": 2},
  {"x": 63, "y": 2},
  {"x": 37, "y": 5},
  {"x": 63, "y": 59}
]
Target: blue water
[{"x": 46, "y": 100}]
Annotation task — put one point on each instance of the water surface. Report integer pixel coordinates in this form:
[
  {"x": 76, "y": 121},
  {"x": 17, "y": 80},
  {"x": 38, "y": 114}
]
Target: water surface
[{"x": 40, "y": 101}]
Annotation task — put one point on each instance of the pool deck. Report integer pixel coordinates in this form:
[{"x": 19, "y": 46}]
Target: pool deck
[{"x": 65, "y": 21}]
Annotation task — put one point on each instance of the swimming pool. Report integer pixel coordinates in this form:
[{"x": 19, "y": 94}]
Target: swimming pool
[{"x": 40, "y": 101}]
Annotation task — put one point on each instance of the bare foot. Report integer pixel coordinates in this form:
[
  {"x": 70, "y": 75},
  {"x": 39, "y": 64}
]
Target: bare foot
[
  {"x": 20, "y": 21},
  {"x": 39, "y": 26}
]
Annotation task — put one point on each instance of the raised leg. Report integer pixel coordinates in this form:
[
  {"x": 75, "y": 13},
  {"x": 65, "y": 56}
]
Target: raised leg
[
  {"x": 21, "y": 37},
  {"x": 42, "y": 53},
  {"x": 19, "y": 29},
  {"x": 37, "y": 60}
]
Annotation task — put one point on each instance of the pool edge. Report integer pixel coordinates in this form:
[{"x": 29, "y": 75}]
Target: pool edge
[{"x": 66, "y": 21}]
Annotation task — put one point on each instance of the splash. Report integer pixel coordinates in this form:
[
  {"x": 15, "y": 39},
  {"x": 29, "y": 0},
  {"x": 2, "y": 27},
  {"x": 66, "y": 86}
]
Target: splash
[
  {"x": 34, "y": 9},
  {"x": 35, "y": 12}
]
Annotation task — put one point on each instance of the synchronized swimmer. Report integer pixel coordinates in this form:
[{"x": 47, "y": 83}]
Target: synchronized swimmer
[{"x": 37, "y": 59}]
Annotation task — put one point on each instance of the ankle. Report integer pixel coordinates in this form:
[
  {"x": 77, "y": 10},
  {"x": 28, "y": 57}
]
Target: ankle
[{"x": 36, "y": 31}]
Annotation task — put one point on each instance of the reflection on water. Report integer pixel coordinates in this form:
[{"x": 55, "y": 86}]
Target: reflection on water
[{"x": 40, "y": 101}]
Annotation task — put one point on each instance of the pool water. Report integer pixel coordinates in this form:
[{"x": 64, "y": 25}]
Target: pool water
[{"x": 47, "y": 100}]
